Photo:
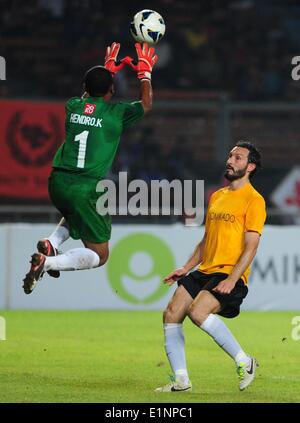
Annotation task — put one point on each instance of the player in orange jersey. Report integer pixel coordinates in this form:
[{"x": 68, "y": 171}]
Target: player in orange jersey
[{"x": 235, "y": 218}]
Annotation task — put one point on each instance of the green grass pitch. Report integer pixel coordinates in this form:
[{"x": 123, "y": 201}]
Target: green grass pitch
[{"x": 115, "y": 356}]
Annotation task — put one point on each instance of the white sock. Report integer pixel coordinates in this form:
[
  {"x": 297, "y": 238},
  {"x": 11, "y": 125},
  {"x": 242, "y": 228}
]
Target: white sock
[
  {"x": 58, "y": 236},
  {"x": 174, "y": 346},
  {"x": 76, "y": 259},
  {"x": 217, "y": 329}
]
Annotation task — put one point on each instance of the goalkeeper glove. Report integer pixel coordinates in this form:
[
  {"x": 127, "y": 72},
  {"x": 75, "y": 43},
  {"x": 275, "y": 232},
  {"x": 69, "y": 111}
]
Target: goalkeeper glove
[
  {"x": 145, "y": 63},
  {"x": 111, "y": 63}
]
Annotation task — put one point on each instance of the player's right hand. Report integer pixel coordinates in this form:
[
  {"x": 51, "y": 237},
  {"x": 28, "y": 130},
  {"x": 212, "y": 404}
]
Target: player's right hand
[
  {"x": 146, "y": 60},
  {"x": 175, "y": 275},
  {"x": 111, "y": 62}
]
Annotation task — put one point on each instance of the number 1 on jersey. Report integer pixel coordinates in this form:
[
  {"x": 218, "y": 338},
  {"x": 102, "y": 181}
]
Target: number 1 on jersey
[{"x": 82, "y": 138}]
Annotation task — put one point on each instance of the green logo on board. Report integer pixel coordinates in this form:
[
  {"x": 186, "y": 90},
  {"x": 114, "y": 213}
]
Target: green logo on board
[{"x": 136, "y": 268}]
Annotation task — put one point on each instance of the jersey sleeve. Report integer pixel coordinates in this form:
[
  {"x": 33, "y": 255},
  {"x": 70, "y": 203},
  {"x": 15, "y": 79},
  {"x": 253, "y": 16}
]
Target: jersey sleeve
[
  {"x": 132, "y": 113},
  {"x": 255, "y": 215}
]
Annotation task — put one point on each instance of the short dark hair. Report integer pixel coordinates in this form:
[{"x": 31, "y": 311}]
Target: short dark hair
[
  {"x": 97, "y": 81},
  {"x": 254, "y": 155}
]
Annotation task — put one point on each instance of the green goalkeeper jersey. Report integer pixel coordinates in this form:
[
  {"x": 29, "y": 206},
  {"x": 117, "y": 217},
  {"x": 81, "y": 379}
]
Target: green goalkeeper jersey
[{"x": 93, "y": 129}]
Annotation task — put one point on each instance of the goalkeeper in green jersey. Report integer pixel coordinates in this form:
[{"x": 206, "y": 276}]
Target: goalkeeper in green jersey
[{"x": 93, "y": 128}]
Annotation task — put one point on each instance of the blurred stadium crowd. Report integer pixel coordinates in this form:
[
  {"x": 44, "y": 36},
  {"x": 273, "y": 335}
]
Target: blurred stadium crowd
[
  {"x": 221, "y": 52},
  {"x": 242, "y": 47}
]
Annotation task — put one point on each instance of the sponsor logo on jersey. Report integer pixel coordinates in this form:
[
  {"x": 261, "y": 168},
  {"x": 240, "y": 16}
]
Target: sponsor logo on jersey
[
  {"x": 221, "y": 216},
  {"x": 89, "y": 109},
  {"x": 85, "y": 120}
]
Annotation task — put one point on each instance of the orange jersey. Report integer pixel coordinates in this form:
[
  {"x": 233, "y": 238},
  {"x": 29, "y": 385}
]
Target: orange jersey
[{"x": 230, "y": 214}]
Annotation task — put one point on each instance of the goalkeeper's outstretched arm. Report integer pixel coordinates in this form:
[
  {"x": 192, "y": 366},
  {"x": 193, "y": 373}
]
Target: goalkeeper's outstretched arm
[
  {"x": 146, "y": 59},
  {"x": 146, "y": 95}
]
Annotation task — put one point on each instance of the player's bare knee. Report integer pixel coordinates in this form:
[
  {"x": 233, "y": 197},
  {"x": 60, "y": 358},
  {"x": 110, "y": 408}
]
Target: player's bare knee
[
  {"x": 103, "y": 258},
  {"x": 101, "y": 250},
  {"x": 169, "y": 315},
  {"x": 197, "y": 314}
]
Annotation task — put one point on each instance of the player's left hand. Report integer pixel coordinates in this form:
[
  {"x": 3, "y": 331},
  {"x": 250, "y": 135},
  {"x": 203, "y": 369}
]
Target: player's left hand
[
  {"x": 111, "y": 62},
  {"x": 146, "y": 60},
  {"x": 225, "y": 286}
]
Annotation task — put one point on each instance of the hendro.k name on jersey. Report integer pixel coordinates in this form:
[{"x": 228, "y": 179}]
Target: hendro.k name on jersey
[{"x": 85, "y": 120}]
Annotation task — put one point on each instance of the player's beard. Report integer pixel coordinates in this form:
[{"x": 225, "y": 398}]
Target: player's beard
[{"x": 236, "y": 174}]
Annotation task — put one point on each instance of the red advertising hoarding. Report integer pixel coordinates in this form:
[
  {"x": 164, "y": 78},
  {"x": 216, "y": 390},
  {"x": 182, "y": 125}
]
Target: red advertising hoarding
[{"x": 30, "y": 133}]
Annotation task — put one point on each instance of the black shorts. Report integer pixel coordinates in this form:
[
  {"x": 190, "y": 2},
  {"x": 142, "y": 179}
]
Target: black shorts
[{"x": 197, "y": 281}]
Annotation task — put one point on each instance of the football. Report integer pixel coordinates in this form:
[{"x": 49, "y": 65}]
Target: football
[{"x": 147, "y": 26}]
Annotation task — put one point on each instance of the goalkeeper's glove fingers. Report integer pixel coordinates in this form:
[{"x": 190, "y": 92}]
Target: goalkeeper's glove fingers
[
  {"x": 111, "y": 63},
  {"x": 146, "y": 60}
]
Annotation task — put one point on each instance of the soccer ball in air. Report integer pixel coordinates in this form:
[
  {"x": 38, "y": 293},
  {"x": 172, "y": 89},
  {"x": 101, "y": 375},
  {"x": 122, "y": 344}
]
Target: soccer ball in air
[{"x": 147, "y": 26}]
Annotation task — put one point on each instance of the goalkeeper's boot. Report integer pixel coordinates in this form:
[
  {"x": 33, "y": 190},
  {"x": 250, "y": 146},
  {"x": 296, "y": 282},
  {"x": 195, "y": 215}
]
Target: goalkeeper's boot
[
  {"x": 246, "y": 373},
  {"x": 176, "y": 385},
  {"x": 45, "y": 247},
  {"x": 35, "y": 273}
]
